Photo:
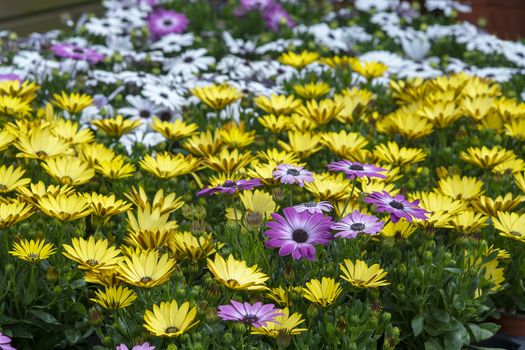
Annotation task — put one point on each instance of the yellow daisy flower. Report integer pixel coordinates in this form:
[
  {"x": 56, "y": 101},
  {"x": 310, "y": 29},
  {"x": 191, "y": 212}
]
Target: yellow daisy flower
[
  {"x": 511, "y": 225},
  {"x": 486, "y": 158},
  {"x": 170, "y": 320},
  {"x": 400, "y": 230},
  {"x": 274, "y": 156},
  {"x": 519, "y": 180},
  {"x": 302, "y": 144},
  {"x": 236, "y": 275},
  {"x": 441, "y": 114},
  {"x": 298, "y": 60},
  {"x": 204, "y": 144},
  {"x": 405, "y": 123},
  {"x": 64, "y": 207},
  {"x": 116, "y": 127},
  {"x": 14, "y": 106},
  {"x": 26, "y": 90},
  {"x": 441, "y": 208},
  {"x": 13, "y": 212},
  {"x": 174, "y": 131},
  {"x": 323, "y": 292},
  {"x": 73, "y": 103},
  {"x": 464, "y": 188},
  {"x": 468, "y": 221},
  {"x": 165, "y": 203},
  {"x": 283, "y": 327},
  {"x": 92, "y": 254},
  {"x": 71, "y": 133},
  {"x": 69, "y": 170},
  {"x": 491, "y": 207},
  {"x": 329, "y": 187},
  {"x": 106, "y": 206},
  {"x": 235, "y": 136},
  {"x": 146, "y": 269},
  {"x": 228, "y": 161},
  {"x": 277, "y": 104},
  {"x": 322, "y": 112},
  {"x": 311, "y": 90},
  {"x": 166, "y": 165},
  {"x": 516, "y": 129},
  {"x": 7, "y": 138},
  {"x": 33, "y": 250},
  {"x": 114, "y": 168},
  {"x": 369, "y": 70},
  {"x": 39, "y": 190},
  {"x": 217, "y": 96},
  {"x": 114, "y": 298},
  {"x": 150, "y": 229},
  {"x": 275, "y": 124},
  {"x": 347, "y": 145},
  {"x": 11, "y": 178},
  {"x": 41, "y": 144},
  {"x": 362, "y": 276},
  {"x": 184, "y": 245},
  {"x": 391, "y": 153}
]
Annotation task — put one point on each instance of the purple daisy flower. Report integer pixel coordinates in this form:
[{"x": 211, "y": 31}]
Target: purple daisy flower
[
  {"x": 313, "y": 207},
  {"x": 144, "y": 346},
  {"x": 5, "y": 342},
  {"x": 10, "y": 76},
  {"x": 296, "y": 233},
  {"x": 230, "y": 187},
  {"x": 77, "y": 53},
  {"x": 256, "y": 315},
  {"x": 356, "y": 169},
  {"x": 275, "y": 15},
  {"x": 249, "y": 5},
  {"x": 290, "y": 174},
  {"x": 353, "y": 224},
  {"x": 397, "y": 206},
  {"x": 162, "y": 22}
]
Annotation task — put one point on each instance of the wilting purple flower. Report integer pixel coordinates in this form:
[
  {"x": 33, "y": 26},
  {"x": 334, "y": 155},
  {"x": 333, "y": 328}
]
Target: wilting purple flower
[
  {"x": 5, "y": 342},
  {"x": 397, "y": 206},
  {"x": 162, "y": 22},
  {"x": 313, "y": 207},
  {"x": 353, "y": 224},
  {"x": 230, "y": 187},
  {"x": 77, "y": 53},
  {"x": 256, "y": 315},
  {"x": 144, "y": 346},
  {"x": 290, "y": 174},
  {"x": 276, "y": 15},
  {"x": 296, "y": 233},
  {"x": 356, "y": 169},
  {"x": 10, "y": 76}
]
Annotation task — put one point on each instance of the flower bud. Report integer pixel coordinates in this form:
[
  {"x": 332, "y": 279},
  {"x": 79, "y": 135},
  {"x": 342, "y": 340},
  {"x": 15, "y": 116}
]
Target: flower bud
[
  {"x": 172, "y": 347},
  {"x": 312, "y": 311},
  {"x": 52, "y": 274},
  {"x": 228, "y": 338},
  {"x": 95, "y": 317},
  {"x": 278, "y": 194},
  {"x": 254, "y": 219}
]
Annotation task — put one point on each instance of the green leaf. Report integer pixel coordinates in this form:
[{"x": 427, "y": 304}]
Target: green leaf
[
  {"x": 455, "y": 340},
  {"x": 489, "y": 326},
  {"x": 72, "y": 335},
  {"x": 44, "y": 316},
  {"x": 453, "y": 270},
  {"x": 479, "y": 333},
  {"x": 417, "y": 325},
  {"x": 440, "y": 315},
  {"x": 433, "y": 344}
]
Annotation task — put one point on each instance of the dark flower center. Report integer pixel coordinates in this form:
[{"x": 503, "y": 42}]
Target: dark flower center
[
  {"x": 78, "y": 50},
  {"x": 188, "y": 60},
  {"x": 228, "y": 183},
  {"x": 41, "y": 154},
  {"x": 167, "y": 22},
  {"x": 310, "y": 204},
  {"x": 145, "y": 279},
  {"x": 3, "y": 187},
  {"x": 165, "y": 116},
  {"x": 250, "y": 318},
  {"x": 233, "y": 283},
  {"x": 358, "y": 227},
  {"x": 91, "y": 262},
  {"x": 163, "y": 95},
  {"x": 172, "y": 329},
  {"x": 356, "y": 167},
  {"x": 32, "y": 256},
  {"x": 300, "y": 236},
  {"x": 515, "y": 233},
  {"x": 293, "y": 172},
  {"x": 144, "y": 113},
  {"x": 397, "y": 205}
]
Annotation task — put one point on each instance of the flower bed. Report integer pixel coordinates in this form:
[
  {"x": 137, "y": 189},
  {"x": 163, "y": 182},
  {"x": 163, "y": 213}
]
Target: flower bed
[{"x": 261, "y": 174}]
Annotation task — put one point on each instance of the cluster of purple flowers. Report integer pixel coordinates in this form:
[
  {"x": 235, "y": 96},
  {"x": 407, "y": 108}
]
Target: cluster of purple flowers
[
  {"x": 230, "y": 187},
  {"x": 272, "y": 12}
]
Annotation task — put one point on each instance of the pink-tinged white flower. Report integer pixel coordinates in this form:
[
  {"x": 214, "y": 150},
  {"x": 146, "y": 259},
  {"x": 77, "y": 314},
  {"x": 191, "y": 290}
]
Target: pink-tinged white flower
[
  {"x": 144, "y": 346},
  {"x": 291, "y": 174},
  {"x": 297, "y": 233},
  {"x": 230, "y": 187},
  {"x": 5, "y": 343},
  {"x": 77, "y": 53},
  {"x": 256, "y": 315},
  {"x": 162, "y": 22},
  {"x": 357, "y": 223},
  {"x": 313, "y": 207},
  {"x": 356, "y": 169},
  {"x": 397, "y": 206}
]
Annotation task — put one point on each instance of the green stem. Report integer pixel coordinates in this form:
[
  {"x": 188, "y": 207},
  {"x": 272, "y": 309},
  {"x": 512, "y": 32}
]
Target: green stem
[{"x": 349, "y": 198}]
